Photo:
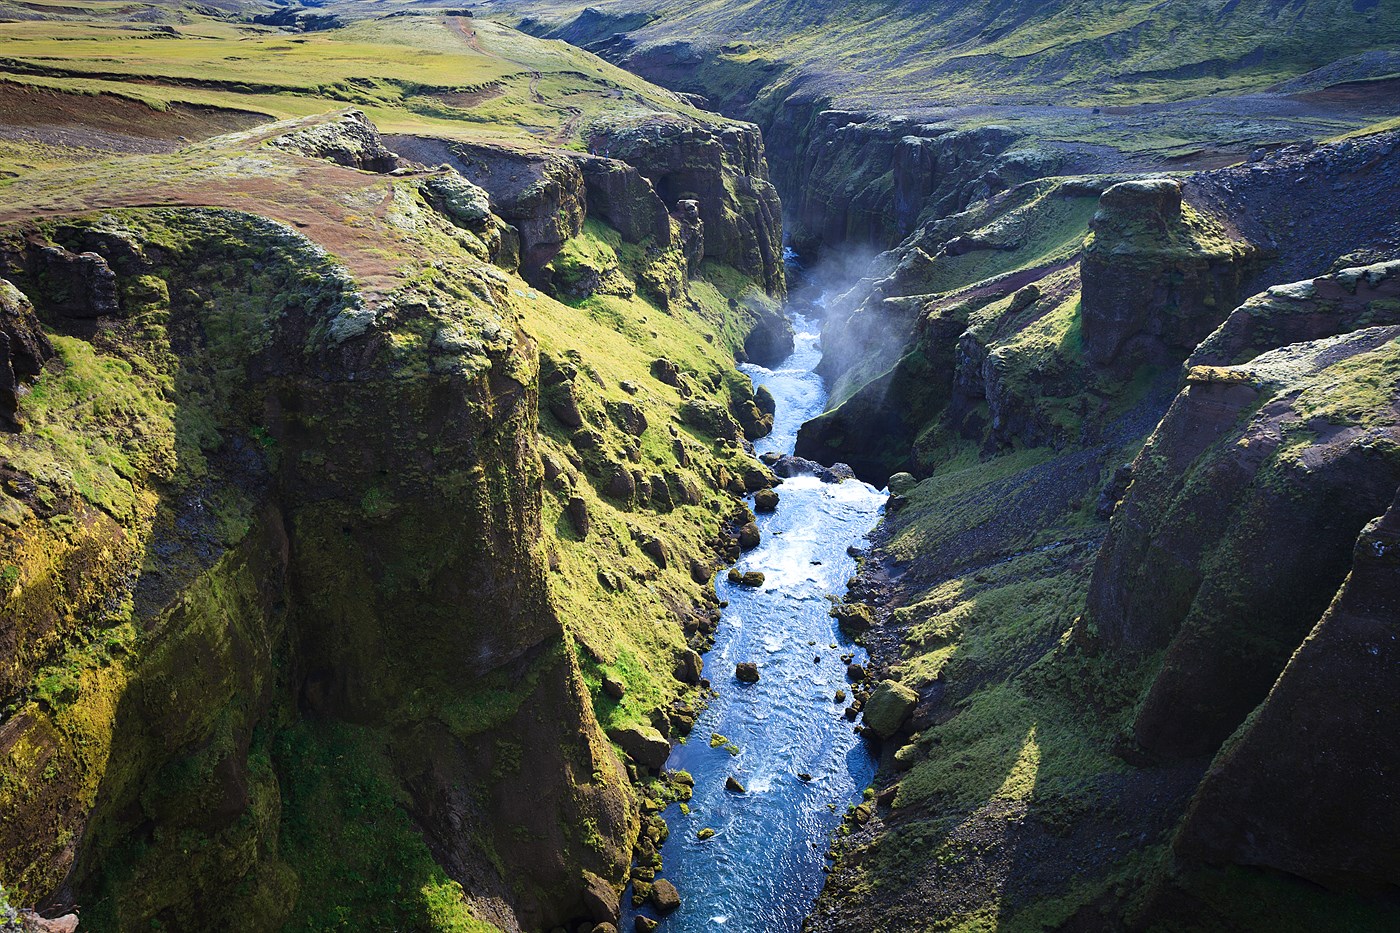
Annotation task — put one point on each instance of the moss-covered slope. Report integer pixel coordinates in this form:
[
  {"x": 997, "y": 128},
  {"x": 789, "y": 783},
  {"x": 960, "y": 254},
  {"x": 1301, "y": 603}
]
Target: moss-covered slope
[{"x": 277, "y": 502}]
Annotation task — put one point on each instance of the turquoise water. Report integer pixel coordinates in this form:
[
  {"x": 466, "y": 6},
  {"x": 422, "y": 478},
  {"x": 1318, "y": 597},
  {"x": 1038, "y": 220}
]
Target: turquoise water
[{"x": 764, "y": 866}]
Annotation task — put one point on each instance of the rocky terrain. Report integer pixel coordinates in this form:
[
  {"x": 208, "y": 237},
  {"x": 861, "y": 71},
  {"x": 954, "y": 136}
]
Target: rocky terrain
[
  {"x": 360, "y": 497},
  {"x": 371, "y": 433}
]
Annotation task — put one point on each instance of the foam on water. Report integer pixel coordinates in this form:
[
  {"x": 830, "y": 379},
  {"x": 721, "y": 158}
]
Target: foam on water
[{"x": 762, "y": 869}]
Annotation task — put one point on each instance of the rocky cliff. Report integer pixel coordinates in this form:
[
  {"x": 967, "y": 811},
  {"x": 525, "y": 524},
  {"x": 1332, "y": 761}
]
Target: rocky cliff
[
  {"x": 1122, "y": 499},
  {"x": 226, "y": 574}
]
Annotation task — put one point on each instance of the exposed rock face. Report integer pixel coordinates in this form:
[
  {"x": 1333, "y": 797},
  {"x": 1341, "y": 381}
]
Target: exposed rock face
[
  {"x": 643, "y": 744},
  {"x": 1307, "y": 786},
  {"x": 687, "y": 161},
  {"x": 541, "y": 194},
  {"x": 868, "y": 178},
  {"x": 1365, "y": 296},
  {"x": 626, "y": 200},
  {"x": 349, "y": 139},
  {"x": 296, "y": 602},
  {"x": 771, "y": 340},
  {"x": 1274, "y": 465},
  {"x": 1157, "y": 275},
  {"x": 77, "y": 285},
  {"x": 23, "y": 351}
]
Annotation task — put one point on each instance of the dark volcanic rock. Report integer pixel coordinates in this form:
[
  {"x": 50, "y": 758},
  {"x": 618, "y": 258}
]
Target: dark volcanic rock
[
  {"x": 1308, "y": 786},
  {"x": 350, "y": 140},
  {"x": 23, "y": 351},
  {"x": 600, "y": 899},
  {"x": 721, "y": 168},
  {"x": 772, "y": 339},
  {"x": 645, "y": 745},
  {"x": 74, "y": 285},
  {"x": 621, "y": 196},
  {"x": 1158, "y": 276},
  {"x": 1365, "y": 296},
  {"x": 746, "y": 671},
  {"x": 541, "y": 194},
  {"x": 1238, "y": 527},
  {"x": 664, "y": 896}
]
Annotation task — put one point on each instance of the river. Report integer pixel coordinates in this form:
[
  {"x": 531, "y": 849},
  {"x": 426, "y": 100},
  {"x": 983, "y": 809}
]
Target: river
[{"x": 763, "y": 868}]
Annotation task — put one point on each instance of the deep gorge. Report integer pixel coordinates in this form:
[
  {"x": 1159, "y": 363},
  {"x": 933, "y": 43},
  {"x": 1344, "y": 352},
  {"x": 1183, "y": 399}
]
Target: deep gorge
[{"x": 418, "y": 509}]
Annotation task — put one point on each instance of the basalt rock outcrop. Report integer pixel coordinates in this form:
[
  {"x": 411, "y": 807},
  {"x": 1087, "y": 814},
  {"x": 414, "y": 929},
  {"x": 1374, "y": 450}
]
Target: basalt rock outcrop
[
  {"x": 350, "y": 140},
  {"x": 1305, "y": 786},
  {"x": 723, "y": 169},
  {"x": 1157, "y": 275},
  {"x": 209, "y": 530},
  {"x": 23, "y": 351},
  {"x": 1252, "y": 460},
  {"x": 541, "y": 194}
]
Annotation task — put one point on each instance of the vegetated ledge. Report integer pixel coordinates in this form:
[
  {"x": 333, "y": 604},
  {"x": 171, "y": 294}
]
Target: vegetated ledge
[
  {"x": 1100, "y": 601},
  {"x": 301, "y": 580}
]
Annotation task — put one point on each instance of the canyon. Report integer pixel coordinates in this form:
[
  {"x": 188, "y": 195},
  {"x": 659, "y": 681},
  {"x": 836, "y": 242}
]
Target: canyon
[{"x": 382, "y": 393}]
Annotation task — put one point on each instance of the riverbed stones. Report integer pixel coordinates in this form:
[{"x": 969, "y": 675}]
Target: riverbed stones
[
  {"x": 854, "y": 618},
  {"x": 644, "y": 924},
  {"x": 746, "y": 671},
  {"x": 889, "y": 707},
  {"x": 765, "y": 500},
  {"x": 664, "y": 896},
  {"x": 749, "y": 578},
  {"x": 855, "y": 672}
]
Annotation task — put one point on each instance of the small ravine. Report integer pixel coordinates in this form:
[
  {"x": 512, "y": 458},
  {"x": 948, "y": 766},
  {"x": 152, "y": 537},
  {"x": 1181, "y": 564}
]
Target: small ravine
[{"x": 763, "y": 868}]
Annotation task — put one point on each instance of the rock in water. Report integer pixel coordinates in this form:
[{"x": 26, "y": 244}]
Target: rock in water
[
  {"x": 732, "y": 785},
  {"x": 664, "y": 896},
  {"x": 765, "y": 500},
  {"x": 749, "y": 578},
  {"x": 746, "y": 671},
  {"x": 888, "y": 707}
]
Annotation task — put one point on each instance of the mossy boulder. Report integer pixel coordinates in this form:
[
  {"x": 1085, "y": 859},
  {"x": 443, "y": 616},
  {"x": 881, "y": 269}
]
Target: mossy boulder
[
  {"x": 889, "y": 707},
  {"x": 643, "y": 744},
  {"x": 664, "y": 896}
]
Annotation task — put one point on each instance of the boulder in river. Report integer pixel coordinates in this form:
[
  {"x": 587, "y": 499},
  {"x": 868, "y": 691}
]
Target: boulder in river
[
  {"x": 750, "y": 578},
  {"x": 732, "y": 784},
  {"x": 664, "y": 896},
  {"x": 889, "y": 707},
  {"x": 746, "y": 671},
  {"x": 765, "y": 500},
  {"x": 644, "y": 924}
]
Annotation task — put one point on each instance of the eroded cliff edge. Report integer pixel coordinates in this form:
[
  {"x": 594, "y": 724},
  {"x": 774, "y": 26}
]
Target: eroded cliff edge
[{"x": 323, "y": 532}]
